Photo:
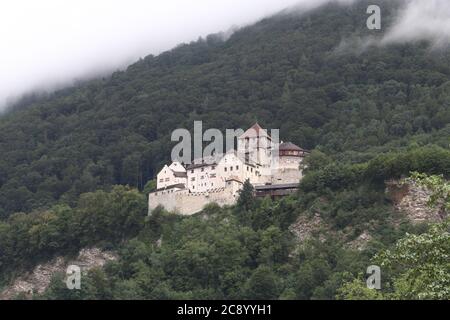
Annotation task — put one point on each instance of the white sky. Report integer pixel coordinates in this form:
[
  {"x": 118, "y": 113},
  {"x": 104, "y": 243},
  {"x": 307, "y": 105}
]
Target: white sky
[
  {"x": 49, "y": 43},
  {"x": 44, "y": 43}
]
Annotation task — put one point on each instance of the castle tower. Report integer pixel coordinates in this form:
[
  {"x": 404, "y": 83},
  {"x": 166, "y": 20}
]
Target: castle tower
[{"x": 255, "y": 146}]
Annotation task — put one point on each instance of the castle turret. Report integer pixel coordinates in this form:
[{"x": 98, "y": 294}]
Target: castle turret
[{"x": 290, "y": 155}]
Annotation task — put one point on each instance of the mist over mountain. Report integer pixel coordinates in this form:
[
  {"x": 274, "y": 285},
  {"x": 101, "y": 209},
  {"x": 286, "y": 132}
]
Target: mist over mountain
[
  {"x": 422, "y": 20},
  {"x": 77, "y": 164},
  {"x": 48, "y": 46}
]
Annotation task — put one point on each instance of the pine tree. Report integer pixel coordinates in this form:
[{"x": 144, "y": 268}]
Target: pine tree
[{"x": 246, "y": 199}]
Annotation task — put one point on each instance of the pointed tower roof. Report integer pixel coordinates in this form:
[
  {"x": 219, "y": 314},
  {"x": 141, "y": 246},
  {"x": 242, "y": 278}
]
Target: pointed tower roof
[{"x": 255, "y": 131}]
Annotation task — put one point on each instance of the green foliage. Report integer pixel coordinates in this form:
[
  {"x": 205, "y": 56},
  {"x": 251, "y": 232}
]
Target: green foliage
[
  {"x": 150, "y": 186},
  {"x": 246, "y": 199},
  {"x": 374, "y": 115},
  {"x": 316, "y": 160},
  {"x": 417, "y": 266},
  {"x": 217, "y": 255},
  {"x": 339, "y": 175},
  {"x": 357, "y": 290},
  {"x": 431, "y": 160},
  {"x": 263, "y": 284},
  {"x": 116, "y": 130},
  {"x": 420, "y": 264},
  {"x": 215, "y": 258},
  {"x": 440, "y": 189},
  {"x": 102, "y": 218}
]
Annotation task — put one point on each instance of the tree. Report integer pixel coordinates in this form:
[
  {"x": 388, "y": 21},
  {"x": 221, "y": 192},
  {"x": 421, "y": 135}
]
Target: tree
[
  {"x": 246, "y": 199},
  {"x": 418, "y": 264},
  {"x": 357, "y": 290},
  {"x": 150, "y": 186},
  {"x": 316, "y": 160},
  {"x": 263, "y": 284},
  {"x": 440, "y": 188}
]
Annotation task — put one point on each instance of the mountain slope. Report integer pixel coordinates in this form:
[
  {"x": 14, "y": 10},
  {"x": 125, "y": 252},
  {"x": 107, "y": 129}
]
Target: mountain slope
[
  {"x": 283, "y": 71},
  {"x": 370, "y": 116}
]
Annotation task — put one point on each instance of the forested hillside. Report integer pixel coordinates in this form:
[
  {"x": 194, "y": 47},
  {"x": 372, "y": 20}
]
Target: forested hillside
[
  {"x": 368, "y": 115},
  {"x": 284, "y": 71}
]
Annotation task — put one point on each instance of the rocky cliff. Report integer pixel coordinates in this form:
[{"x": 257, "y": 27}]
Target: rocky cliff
[
  {"x": 37, "y": 280},
  {"x": 412, "y": 200}
]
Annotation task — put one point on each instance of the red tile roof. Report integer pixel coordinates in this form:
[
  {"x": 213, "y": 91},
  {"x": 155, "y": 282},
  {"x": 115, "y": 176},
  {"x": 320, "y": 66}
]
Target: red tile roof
[{"x": 289, "y": 146}]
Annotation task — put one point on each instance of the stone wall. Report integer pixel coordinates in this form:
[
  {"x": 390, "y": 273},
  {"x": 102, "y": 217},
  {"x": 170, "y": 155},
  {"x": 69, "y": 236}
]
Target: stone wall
[
  {"x": 186, "y": 203},
  {"x": 286, "y": 175}
]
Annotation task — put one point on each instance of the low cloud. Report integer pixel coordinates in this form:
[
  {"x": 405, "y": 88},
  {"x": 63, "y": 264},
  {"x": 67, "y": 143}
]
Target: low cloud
[
  {"x": 422, "y": 20},
  {"x": 49, "y": 43},
  {"x": 416, "y": 21}
]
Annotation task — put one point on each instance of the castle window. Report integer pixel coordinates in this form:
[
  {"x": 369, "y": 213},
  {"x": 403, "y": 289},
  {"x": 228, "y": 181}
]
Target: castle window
[
  {"x": 212, "y": 175},
  {"x": 231, "y": 168},
  {"x": 213, "y": 168},
  {"x": 225, "y": 169},
  {"x": 193, "y": 179},
  {"x": 237, "y": 167},
  {"x": 247, "y": 168},
  {"x": 161, "y": 180},
  {"x": 167, "y": 179},
  {"x": 202, "y": 177},
  {"x": 192, "y": 171},
  {"x": 203, "y": 169}
]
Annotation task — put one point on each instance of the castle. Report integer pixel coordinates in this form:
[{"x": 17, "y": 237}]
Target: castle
[{"x": 272, "y": 168}]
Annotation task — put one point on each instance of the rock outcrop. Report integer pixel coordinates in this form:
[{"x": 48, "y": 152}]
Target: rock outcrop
[
  {"x": 360, "y": 243},
  {"x": 412, "y": 200},
  {"x": 305, "y": 227},
  {"x": 38, "y": 280}
]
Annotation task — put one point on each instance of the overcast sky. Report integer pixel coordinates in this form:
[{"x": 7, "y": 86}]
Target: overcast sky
[{"x": 48, "y": 43}]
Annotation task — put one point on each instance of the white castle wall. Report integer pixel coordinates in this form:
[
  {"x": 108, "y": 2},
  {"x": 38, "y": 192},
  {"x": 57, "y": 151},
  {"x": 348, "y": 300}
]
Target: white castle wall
[
  {"x": 204, "y": 178},
  {"x": 185, "y": 203},
  {"x": 166, "y": 177},
  {"x": 286, "y": 176}
]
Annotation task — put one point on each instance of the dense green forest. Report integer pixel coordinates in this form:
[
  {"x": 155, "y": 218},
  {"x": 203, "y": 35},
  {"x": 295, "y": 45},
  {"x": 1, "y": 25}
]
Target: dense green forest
[
  {"x": 74, "y": 163},
  {"x": 117, "y": 130},
  {"x": 240, "y": 252}
]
